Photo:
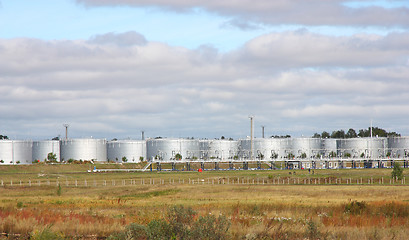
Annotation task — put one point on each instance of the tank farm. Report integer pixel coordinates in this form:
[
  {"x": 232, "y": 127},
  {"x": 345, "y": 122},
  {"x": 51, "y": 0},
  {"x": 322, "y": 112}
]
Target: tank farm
[{"x": 257, "y": 153}]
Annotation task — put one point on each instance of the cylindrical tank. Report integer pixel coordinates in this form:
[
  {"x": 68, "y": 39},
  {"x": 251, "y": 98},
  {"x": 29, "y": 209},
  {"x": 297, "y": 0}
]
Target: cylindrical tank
[
  {"x": 263, "y": 148},
  {"x": 329, "y": 147},
  {"x": 84, "y": 149},
  {"x": 306, "y": 147},
  {"x": 41, "y": 149},
  {"x": 398, "y": 147},
  {"x": 16, "y": 152},
  {"x": 363, "y": 147},
  {"x": 170, "y": 149},
  {"x": 128, "y": 150},
  {"x": 223, "y": 149}
]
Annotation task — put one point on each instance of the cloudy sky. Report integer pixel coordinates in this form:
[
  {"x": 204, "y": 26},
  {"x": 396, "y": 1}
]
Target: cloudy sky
[{"x": 177, "y": 68}]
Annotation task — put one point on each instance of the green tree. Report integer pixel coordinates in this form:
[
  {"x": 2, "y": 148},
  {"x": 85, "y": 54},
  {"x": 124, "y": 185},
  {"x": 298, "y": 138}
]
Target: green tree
[
  {"x": 325, "y": 134},
  {"x": 51, "y": 157},
  {"x": 351, "y": 133},
  {"x": 178, "y": 156},
  {"x": 124, "y": 159},
  {"x": 316, "y": 135},
  {"x": 397, "y": 171}
]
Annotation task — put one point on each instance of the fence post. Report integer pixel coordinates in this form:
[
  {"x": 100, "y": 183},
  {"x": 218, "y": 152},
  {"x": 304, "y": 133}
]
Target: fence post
[{"x": 76, "y": 183}]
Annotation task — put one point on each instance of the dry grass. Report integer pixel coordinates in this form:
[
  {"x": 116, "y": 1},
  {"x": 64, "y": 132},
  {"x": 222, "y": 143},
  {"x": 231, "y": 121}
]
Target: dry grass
[{"x": 255, "y": 211}]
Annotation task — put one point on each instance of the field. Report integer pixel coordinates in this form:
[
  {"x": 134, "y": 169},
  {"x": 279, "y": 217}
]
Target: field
[{"x": 67, "y": 202}]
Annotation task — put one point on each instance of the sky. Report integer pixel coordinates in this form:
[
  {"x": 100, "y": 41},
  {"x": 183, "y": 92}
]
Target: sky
[{"x": 177, "y": 68}]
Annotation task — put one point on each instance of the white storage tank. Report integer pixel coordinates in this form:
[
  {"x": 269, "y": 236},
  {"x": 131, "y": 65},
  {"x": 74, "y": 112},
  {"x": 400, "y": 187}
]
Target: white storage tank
[
  {"x": 165, "y": 149},
  {"x": 16, "y": 152},
  {"x": 131, "y": 150},
  {"x": 263, "y": 148},
  {"x": 41, "y": 149},
  {"x": 306, "y": 147},
  {"x": 223, "y": 149},
  {"x": 329, "y": 147},
  {"x": 398, "y": 147},
  {"x": 84, "y": 149}
]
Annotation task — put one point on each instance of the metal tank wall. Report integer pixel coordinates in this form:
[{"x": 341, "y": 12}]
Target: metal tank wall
[
  {"x": 369, "y": 147},
  {"x": 41, "y": 149},
  {"x": 204, "y": 146},
  {"x": 166, "y": 149},
  {"x": 398, "y": 147},
  {"x": 84, "y": 149},
  {"x": 223, "y": 149},
  {"x": 311, "y": 147},
  {"x": 329, "y": 145},
  {"x": 16, "y": 152},
  {"x": 263, "y": 148},
  {"x": 133, "y": 150}
]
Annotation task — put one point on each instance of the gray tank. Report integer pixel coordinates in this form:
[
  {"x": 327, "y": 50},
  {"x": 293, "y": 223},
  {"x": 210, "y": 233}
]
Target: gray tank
[
  {"x": 363, "y": 147},
  {"x": 168, "y": 149},
  {"x": 16, "y": 152},
  {"x": 398, "y": 147},
  {"x": 84, "y": 149},
  {"x": 41, "y": 149},
  {"x": 263, "y": 148},
  {"x": 329, "y": 146},
  {"x": 223, "y": 149},
  {"x": 132, "y": 150},
  {"x": 306, "y": 147}
]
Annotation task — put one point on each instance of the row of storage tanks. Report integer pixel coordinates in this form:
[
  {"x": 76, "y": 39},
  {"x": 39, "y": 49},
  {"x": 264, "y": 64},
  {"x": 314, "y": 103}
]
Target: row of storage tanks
[{"x": 25, "y": 152}]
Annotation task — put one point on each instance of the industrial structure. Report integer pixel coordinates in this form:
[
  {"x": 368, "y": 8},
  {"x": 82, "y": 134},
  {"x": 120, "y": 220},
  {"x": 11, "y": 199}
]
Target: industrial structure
[{"x": 289, "y": 153}]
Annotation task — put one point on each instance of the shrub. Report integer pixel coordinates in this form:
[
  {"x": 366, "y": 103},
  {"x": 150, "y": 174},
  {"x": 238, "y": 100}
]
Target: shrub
[
  {"x": 159, "y": 229},
  {"x": 46, "y": 234},
  {"x": 59, "y": 190},
  {"x": 397, "y": 171},
  {"x": 355, "y": 207},
  {"x": 312, "y": 231},
  {"x": 210, "y": 227}
]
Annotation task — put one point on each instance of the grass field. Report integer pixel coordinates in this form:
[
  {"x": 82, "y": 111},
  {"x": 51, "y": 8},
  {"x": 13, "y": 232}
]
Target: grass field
[{"x": 270, "y": 204}]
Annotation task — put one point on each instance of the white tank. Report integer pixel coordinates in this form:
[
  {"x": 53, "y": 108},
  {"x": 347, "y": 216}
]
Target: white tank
[
  {"x": 363, "y": 147},
  {"x": 16, "y": 152},
  {"x": 169, "y": 149},
  {"x": 84, "y": 149},
  {"x": 398, "y": 147},
  {"x": 41, "y": 149},
  {"x": 132, "y": 150},
  {"x": 223, "y": 149}
]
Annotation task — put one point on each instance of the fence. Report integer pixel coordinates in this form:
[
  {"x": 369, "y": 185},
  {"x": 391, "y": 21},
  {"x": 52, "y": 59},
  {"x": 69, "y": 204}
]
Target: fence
[{"x": 207, "y": 181}]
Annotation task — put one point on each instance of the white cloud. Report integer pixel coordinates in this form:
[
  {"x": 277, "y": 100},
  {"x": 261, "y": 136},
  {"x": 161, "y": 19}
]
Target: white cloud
[
  {"x": 286, "y": 80},
  {"x": 311, "y": 12}
]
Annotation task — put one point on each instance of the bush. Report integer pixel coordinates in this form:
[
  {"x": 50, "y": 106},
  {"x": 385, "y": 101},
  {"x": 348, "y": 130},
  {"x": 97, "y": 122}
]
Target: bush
[
  {"x": 180, "y": 223},
  {"x": 46, "y": 234},
  {"x": 397, "y": 171},
  {"x": 355, "y": 207},
  {"x": 210, "y": 227},
  {"x": 159, "y": 229}
]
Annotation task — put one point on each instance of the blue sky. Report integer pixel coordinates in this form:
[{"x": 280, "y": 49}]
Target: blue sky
[
  {"x": 65, "y": 19},
  {"x": 112, "y": 68}
]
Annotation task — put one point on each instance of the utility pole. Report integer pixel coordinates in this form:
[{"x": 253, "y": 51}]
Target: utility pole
[{"x": 262, "y": 131}]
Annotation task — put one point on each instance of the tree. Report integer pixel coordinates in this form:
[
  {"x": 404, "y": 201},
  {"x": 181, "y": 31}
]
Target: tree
[
  {"x": 316, "y": 135},
  {"x": 338, "y": 134},
  {"x": 351, "y": 133},
  {"x": 178, "y": 156},
  {"x": 124, "y": 159},
  {"x": 397, "y": 171},
  {"x": 51, "y": 157},
  {"x": 3, "y": 137},
  {"x": 325, "y": 134}
]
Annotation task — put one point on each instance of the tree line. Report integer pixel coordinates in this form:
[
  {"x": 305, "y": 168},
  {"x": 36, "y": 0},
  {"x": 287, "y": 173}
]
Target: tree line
[{"x": 351, "y": 133}]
